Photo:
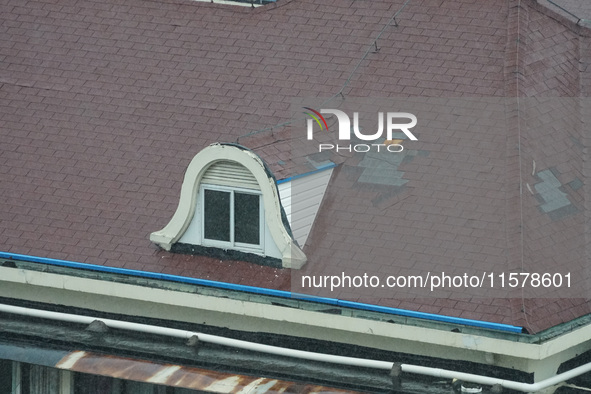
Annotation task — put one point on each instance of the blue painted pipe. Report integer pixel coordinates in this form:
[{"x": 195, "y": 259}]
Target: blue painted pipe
[{"x": 264, "y": 291}]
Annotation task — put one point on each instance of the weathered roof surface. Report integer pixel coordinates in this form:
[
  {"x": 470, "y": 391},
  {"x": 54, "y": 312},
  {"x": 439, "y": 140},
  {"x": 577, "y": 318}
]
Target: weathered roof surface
[
  {"x": 577, "y": 10},
  {"x": 103, "y": 105}
]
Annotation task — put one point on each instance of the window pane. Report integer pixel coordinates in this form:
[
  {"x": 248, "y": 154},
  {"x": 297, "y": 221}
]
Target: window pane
[
  {"x": 94, "y": 384},
  {"x": 138, "y": 388},
  {"x": 217, "y": 215},
  {"x": 246, "y": 218},
  {"x": 43, "y": 380},
  {"x": 5, "y": 376},
  {"x": 186, "y": 391}
]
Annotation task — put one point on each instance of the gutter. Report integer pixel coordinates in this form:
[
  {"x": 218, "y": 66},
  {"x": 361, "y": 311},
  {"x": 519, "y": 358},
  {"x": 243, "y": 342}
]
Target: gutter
[
  {"x": 286, "y": 352},
  {"x": 268, "y": 292}
]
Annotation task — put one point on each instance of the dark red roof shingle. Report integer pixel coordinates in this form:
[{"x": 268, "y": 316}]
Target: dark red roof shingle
[{"x": 104, "y": 104}]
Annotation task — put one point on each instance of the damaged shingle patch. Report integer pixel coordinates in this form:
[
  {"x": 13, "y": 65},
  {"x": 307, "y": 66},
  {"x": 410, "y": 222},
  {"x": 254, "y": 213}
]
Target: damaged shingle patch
[{"x": 549, "y": 190}]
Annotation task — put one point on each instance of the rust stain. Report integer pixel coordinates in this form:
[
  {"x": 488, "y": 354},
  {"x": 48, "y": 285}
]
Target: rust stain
[{"x": 186, "y": 377}]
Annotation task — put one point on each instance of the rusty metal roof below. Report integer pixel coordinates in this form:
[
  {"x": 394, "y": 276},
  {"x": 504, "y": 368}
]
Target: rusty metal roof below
[{"x": 182, "y": 376}]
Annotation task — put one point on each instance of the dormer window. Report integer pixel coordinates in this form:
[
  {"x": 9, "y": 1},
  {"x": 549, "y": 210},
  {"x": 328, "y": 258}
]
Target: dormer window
[
  {"x": 229, "y": 207},
  {"x": 232, "y": 218}
]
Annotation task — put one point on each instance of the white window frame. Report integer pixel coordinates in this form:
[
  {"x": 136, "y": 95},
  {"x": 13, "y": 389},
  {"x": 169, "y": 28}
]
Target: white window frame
[{"x": 260, "y": 248}]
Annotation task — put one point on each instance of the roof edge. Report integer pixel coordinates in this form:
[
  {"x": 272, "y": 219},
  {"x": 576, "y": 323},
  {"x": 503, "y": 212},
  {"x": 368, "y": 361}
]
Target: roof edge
[{"x": 271, "y": 292}]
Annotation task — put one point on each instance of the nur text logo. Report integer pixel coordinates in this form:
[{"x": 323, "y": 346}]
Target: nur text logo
[{"x": 394, "y": 122}]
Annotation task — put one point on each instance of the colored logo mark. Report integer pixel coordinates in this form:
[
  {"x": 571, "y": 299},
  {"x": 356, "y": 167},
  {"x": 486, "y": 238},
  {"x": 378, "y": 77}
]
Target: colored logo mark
[{"x": 316, "y": 115}]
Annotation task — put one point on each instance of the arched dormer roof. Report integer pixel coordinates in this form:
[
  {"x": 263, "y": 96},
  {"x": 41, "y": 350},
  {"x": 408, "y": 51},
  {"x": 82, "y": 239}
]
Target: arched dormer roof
[{"x": 232, "y": 169}]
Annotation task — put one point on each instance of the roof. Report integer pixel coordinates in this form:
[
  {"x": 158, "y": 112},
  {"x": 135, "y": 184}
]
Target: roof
[
  {"x": 575, "y": 10},
  {"x": 103, "y": 105}
]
